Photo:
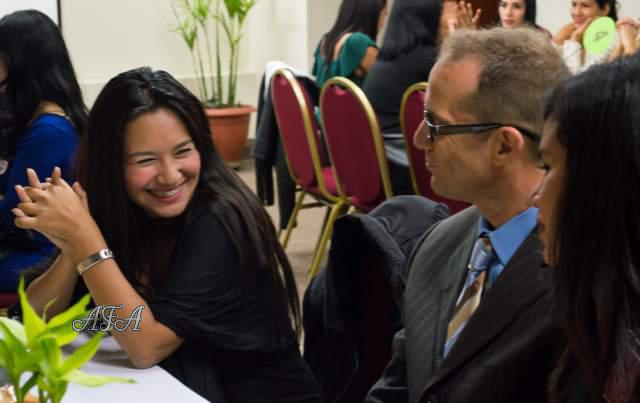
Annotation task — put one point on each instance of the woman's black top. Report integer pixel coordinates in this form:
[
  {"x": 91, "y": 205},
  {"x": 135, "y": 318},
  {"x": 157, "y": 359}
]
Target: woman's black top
[
  {"x": 387, "y": 80},
  {"x": 239, "y": 345}
]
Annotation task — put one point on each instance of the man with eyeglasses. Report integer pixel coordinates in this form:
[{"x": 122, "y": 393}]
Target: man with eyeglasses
[{"x": 476, "y": 311}]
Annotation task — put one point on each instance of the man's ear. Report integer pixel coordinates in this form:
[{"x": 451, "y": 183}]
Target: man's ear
[{"x": 509, "y": 144}]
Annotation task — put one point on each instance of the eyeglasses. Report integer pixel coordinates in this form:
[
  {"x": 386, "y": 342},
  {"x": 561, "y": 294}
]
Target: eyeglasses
[{"x": 449, "y": 130}]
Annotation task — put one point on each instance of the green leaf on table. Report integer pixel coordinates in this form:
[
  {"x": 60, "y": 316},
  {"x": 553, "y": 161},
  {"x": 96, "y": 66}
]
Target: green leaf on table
[
  {"x": 68, "y": 316},
  {"x": 22, "y": 360},
  {"x": 33, "y": 324},
  {"x": 82, "y": 378},
  {"x": 16, "y": 328},
  {"x": 81, "y": 355},
  {"x": 51, "y": 357},
  {"x": 6, "y": 357},
  {"x": 29, "y": 384},
  {"x": 60, "y": 326}
]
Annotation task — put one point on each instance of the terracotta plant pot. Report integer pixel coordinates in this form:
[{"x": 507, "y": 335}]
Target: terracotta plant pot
[{"x": 229, "y": 129}]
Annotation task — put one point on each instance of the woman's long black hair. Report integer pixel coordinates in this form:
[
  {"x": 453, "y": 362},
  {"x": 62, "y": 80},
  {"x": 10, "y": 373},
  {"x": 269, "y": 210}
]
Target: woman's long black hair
[
  {"x": 613, "y": 7},
  {"x": 597, "y": 238},
  {"x": 412, "y": 23},
  {"x": 529, "y": 13},
  {"x": 125, "y": 226},
  {"x": 39, "y": 69},
  {"x": 353, "y": 16}
]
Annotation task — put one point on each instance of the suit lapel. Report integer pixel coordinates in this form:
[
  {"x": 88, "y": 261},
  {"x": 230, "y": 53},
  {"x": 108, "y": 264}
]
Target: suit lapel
[
  {"x": 457, "y": 265},
  {"x": 517, "y": 287}
]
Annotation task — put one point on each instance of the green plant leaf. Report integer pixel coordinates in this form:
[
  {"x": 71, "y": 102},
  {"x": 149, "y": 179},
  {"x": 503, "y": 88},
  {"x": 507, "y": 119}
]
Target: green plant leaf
[
  {"x": 29, "y": 384},
  {"x": 16, "y": 328},
  {"x": 21, "y": 360},
  {"x": 6, "y": 358},
  {"x": 50, "y": 360},
  {"x": 81, "y": 355},
  {"x": 60, "y": 326},
  {"x": 82, "y": 378},
  {"x": 66, "y": 317},
  {"x": 33, "y": 324}
]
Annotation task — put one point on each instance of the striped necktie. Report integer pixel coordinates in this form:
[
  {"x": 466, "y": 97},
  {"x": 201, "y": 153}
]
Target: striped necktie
[{"x": 481, "y": 258}]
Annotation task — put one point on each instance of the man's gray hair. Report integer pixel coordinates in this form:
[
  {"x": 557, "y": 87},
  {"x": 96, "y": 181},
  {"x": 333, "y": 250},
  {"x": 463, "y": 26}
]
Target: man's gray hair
[{"x": 518, "y": 66}]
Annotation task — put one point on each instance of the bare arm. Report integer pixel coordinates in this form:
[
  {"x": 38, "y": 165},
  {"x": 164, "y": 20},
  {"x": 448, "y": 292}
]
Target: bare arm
[
  {"x": 628, "y": 32},
  {"x": 370, "y": 57},
  {"x": 58, "y": 211},
  {"x": 57, "y": 283},
  {"x": 564, "y": 33}
]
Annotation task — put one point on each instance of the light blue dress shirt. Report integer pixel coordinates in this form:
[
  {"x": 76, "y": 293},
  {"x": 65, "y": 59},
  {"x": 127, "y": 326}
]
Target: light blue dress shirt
[{"x": 505, "y": 241}]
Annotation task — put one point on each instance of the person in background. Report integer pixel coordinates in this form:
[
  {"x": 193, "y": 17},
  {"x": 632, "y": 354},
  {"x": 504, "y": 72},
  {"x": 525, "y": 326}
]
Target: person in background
[
  {"x": 349, "y": 48},
  {"x": 516, "y": 13},
  {"x": 44, "y": 119},
  {"x": 629, "y": 31},
  {"x": 167, "y": 226},
  {"x": 477, "y": 320},
  {"x": 589, "y": 222},
  {"x": 569, "y": 38},
  {"x": 408, "y": 52},
  {"x": 457, "y": 15}
]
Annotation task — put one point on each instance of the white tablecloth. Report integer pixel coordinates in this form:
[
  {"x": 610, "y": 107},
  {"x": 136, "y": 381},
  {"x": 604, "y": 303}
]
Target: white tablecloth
[{"x": 153, "y": 385}]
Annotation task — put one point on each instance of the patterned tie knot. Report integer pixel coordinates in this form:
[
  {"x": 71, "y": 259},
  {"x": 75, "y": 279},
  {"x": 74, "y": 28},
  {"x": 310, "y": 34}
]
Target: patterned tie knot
[{"x": 482, "y": 255}]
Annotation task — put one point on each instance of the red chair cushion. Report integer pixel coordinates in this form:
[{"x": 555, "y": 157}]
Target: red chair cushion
[
  {"x": 329, "y": 181},
  {"x": 290, "y": 117},
  {"x": 350, "y": 141},
  {"x": 7, "y": 299}
]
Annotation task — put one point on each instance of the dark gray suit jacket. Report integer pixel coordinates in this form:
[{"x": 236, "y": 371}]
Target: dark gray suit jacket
[{"x": 508, "y": 347}]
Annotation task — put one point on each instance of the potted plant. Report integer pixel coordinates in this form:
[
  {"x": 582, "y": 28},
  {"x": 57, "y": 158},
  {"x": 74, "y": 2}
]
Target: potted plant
[
  {"x": 228, "y": 120},
  {"x": 33, "y": 349}
]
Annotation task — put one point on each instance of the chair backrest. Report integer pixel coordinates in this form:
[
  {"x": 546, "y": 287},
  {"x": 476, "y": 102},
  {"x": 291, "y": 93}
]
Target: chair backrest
[
  {"x": 7, "y": 299},
  {"x": 352, "y": 135},
  {"x": 298, "y": 130},
  {"x": 411, "y": 115}
]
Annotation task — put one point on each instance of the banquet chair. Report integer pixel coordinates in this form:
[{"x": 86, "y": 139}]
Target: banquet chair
[
  {"x": 356, "y": 147},
  {"x": 6, "y": 300},
  {"x": 299, "y": 135},
  {"x": 411, "y": 115}
]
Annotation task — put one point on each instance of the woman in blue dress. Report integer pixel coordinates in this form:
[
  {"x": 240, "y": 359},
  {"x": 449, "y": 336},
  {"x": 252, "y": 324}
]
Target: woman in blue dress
[{"x": 44, "y": 115}]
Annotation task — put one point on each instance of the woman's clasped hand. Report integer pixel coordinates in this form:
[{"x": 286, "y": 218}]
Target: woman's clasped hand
[{"x": 56, "y": 209}]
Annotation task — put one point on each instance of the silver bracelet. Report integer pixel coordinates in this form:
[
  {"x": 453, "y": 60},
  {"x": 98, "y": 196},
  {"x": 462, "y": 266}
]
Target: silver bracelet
[{"x": 92, "y": 260}]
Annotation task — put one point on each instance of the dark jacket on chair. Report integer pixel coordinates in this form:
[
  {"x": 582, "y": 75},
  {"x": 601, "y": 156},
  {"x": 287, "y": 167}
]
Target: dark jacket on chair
[
  {"x": 268, "y": 152},
  {"x": 351, "y": 308}
]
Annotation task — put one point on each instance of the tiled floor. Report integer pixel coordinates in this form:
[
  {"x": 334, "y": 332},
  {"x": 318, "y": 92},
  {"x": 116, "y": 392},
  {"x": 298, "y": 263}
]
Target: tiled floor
[{"x": 304, "y": 237}]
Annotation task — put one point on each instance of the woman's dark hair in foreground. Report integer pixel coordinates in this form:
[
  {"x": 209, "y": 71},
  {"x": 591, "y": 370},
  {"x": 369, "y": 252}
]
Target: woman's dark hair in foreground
[
  {"x": 124, "y": 224},
  {"x": 411, "y": 23},
  {"x": 597, "y": 238},
  {"x": 38, "y": 69},
  {"x": 353, "y": 16}
]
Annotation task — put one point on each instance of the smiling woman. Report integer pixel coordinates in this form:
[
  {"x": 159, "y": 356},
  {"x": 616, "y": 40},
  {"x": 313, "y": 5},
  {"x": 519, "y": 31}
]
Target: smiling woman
[
  {"x": 164, "y": 224},
  {"x": 569, "y": 38}
]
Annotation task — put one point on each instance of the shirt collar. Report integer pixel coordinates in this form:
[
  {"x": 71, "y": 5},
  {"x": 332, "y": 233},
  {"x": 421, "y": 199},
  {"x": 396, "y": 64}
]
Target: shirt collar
[{"x": 509, "y": 236}]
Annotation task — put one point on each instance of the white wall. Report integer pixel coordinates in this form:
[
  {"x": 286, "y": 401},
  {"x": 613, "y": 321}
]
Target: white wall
[
  {"x": 553, "y": 14},
  {"x": 109, "y": 37}
]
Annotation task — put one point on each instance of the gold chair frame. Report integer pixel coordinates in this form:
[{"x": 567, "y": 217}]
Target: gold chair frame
[
  {"x": 336, "y": 205},
  {"x": 421, "y": 86},
  {"x": 378, "y": 143}
]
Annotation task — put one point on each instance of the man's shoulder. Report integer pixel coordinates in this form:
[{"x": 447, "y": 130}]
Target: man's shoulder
[{"x": 451, "y": 228}]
